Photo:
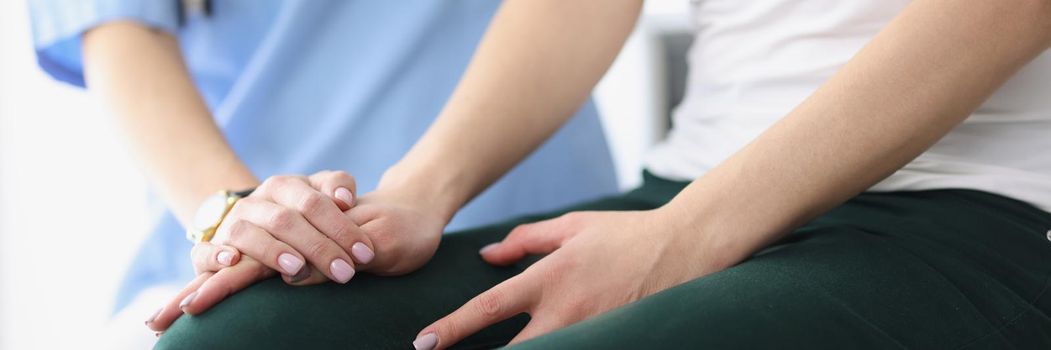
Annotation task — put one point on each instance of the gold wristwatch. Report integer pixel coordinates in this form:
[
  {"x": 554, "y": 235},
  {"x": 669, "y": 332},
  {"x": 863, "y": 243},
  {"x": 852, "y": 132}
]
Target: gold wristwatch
[{"x": 211, "y": 213}]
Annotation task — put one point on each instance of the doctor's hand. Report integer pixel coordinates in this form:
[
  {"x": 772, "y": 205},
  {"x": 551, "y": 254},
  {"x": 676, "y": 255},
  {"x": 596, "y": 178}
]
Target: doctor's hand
[
  {"x": 285, "y": 216},
  {"x": 404, "y": 228},
  {"x": 389, "y": 231},
  {"x": 598, "y": 261},
  {"x": 295, "y": 225}
]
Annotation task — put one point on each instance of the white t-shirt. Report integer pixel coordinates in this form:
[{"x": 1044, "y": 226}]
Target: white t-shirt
[{"x": 752, "y": 62}]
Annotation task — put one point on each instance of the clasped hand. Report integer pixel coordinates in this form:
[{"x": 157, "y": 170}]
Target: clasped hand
[{"x": 309, "y": 230}]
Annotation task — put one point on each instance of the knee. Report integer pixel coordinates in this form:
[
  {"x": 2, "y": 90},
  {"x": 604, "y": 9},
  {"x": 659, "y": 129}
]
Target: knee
[
  {"x": 269, "y": 315},
  {"x": 244, "y": 320}
]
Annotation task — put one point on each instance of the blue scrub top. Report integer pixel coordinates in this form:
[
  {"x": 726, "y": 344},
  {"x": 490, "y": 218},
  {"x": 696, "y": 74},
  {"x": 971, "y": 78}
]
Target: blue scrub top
[{"x": 303, "y": 86}]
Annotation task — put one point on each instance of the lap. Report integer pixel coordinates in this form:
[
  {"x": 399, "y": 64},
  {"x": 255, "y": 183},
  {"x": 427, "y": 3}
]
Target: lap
[
  {"x": 926, "y": 270},
  {"x": 373, "y": 312},
  {"x": 941, "y": 269}
]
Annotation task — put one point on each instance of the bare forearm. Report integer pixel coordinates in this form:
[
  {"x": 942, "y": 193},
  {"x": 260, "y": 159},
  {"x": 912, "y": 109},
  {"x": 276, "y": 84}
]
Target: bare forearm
[
  {"x": 140, "y": 75},
  {"x": 534, "y": 68},
  {"x": 926, "y": 72}
]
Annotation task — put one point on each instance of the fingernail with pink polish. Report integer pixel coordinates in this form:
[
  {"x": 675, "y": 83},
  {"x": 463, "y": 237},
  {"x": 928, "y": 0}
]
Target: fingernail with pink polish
[
  {"x": 426, "y": 342},
  {"x": 154, "y": 317},
  {"x": 344, "y": 195},
  {"x": 187, "y": 300},
  {"x": 488, "y": 248},
  {"x": 362, "y": 253},
  {"x": 290, "y": 263},
  {"x": 225, "y": 257},
  {"x": 341, "y": 270}
]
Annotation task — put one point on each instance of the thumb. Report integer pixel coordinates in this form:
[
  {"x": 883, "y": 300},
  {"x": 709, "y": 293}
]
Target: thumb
[{"x": 530, "y": 239}]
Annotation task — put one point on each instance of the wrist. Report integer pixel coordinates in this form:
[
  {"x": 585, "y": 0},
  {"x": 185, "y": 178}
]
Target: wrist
[
  {"x": 233, "y": 183},
  {"x": 237, "y": 179},
  {"x": 440, "y": 191},
  {"x": 710, "y": 233}
]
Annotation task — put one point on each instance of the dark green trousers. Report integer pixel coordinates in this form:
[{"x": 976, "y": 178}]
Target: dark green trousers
[{"x": 946, "y": 269}]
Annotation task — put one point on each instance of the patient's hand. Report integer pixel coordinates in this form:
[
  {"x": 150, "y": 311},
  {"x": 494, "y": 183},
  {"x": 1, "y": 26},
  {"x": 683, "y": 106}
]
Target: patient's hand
[{"x": 403, "y": 230}]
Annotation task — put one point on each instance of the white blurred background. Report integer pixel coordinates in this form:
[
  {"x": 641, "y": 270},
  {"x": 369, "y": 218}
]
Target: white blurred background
[{"x": 72, "y": 203}]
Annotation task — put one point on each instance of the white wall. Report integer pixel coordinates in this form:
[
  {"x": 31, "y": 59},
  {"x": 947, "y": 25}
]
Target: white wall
[
  {"x": 72, "y": 205},
  {"x": 631, "y": 95}
]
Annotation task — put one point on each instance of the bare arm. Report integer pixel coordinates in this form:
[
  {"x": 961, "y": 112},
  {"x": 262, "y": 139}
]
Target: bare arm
[
  {"x": 927, "y": 71},
  {"x": 534, "y": 68},
  {"x": 140, "y": 75}
]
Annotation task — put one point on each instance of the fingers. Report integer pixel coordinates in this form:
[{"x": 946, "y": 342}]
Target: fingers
[
  {"x": 321, "y": 212},
  {"x": 318, "y": 209},
  {"x": 337, "y": 184},
  {"x": 208, "y": 257},
  {"x": 256, "y": 242},
  {"x": 225, "y": 283},
  {"x": 171, "y": 311},
  {"x": 537, "y": 238},
  {"x": 284, "y": 240},
  {"x": 207, "y": 290},
  {"x": 507, "y": 299}
]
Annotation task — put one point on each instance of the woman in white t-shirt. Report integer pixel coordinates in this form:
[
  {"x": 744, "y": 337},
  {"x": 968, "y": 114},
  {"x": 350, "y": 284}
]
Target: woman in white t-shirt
[{"x": 841, "y": 174}]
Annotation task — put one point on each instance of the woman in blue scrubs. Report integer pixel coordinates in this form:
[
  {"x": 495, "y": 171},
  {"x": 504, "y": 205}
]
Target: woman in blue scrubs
[{"x": 219, "y": 95}]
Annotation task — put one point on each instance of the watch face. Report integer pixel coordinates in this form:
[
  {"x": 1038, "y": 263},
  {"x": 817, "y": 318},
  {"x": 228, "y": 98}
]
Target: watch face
[{"x": 210, "y": 212}]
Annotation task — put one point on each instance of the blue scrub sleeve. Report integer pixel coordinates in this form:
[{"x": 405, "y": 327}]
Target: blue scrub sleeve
[{"x": 58, "y": 25}]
